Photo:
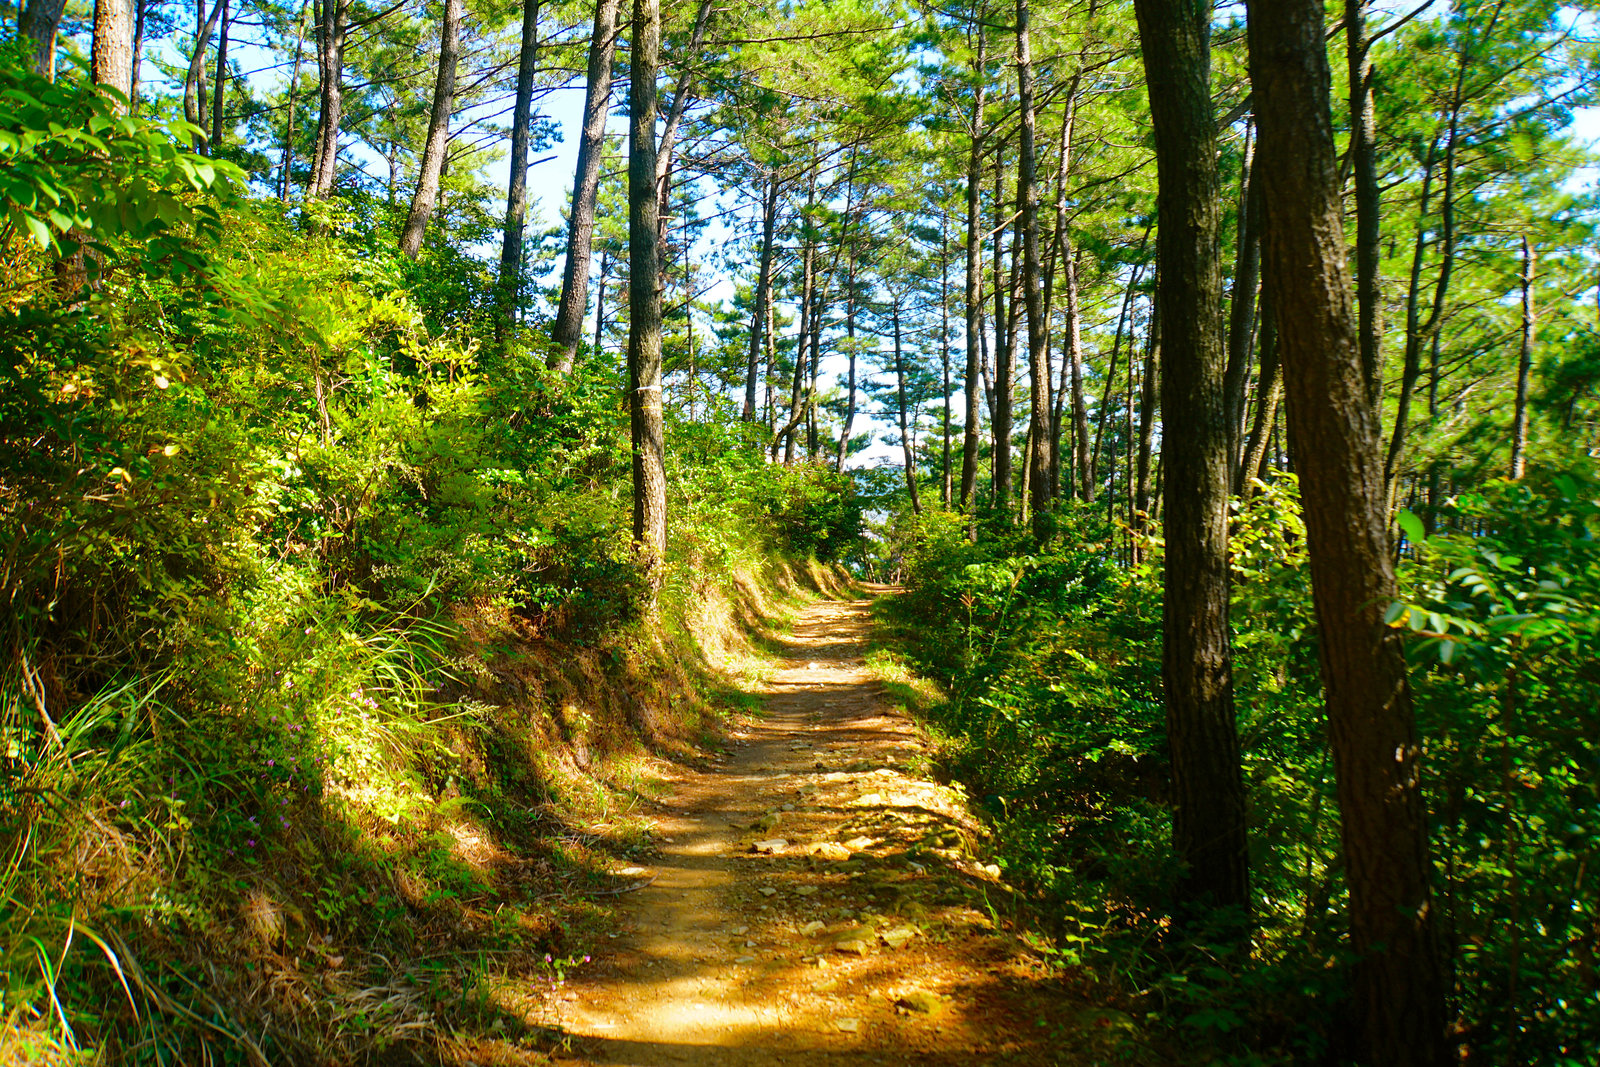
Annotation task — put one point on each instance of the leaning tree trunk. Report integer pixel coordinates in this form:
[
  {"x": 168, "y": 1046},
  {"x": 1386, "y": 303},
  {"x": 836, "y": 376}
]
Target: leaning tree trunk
[
  {"x": 294, "y": 89},
  {"x": 194, "y": 79},
  {"x": 1364, "y": 168},
  {"x": 438, "y": 142},
  {"x": 111, "y": 57},
  {"x": 510, "y": 282},
  {"x": 644, "y": 295},
  {"x": 1399, "y": 981},
  {"x": 568, "y": 327},
  {"x": 1208, "y": 827}
]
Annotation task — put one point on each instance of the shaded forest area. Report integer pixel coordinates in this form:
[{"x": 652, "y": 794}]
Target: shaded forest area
[{"x": 1220, "y": 383}]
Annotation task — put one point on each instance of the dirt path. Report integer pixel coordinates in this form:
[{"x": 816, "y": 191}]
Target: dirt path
[{"x": 814, "y": 902}]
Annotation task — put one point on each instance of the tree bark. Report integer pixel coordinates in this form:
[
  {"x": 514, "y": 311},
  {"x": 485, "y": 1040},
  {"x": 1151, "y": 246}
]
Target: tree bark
[
  {"x": 1147, "y": 411},
  {"x": 758, "y": 325},
  {"x": 974, "y": 287},
  {"x": 1080, "y": 411},
  {"x": 908, "y": 451},
  {"x": 38, "y": 22},
  {"x": 194, "y": 80},
  {"x": 1399, "y": 982},
  {"x": 219, "y": 84},
  {"x": 438, "y": 142},
  {"x": 1364, "y": 166},
  {"x": 510, "y": 282},
  {"x": 1208, "y": 790},
  {"x": 294, "y": 88},
  {"x": 1242, "y": 309},
  {"x": 333, "y": 25},
  {"x": 111, "y": 55},
  {"x": 1519, "y": 422},
  {"x": 1004, "y": 355},
  {"x": 1269, "y": 392},
  {"x": 568, "y": 327},
  {"x": 644, "y": 295},
  {"x": 1039, "y": 499}
]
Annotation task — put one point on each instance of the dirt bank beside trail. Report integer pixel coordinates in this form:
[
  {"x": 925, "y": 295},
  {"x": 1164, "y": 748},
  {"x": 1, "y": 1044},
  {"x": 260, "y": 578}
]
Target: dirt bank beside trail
[{"x": 814, "y": 901}]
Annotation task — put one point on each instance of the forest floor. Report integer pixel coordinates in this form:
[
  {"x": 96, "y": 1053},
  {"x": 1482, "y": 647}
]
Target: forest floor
[{"x": 816, "y": 900}]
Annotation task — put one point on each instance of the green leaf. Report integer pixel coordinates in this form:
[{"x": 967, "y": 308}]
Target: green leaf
[{"x": 1413, "y": 528}]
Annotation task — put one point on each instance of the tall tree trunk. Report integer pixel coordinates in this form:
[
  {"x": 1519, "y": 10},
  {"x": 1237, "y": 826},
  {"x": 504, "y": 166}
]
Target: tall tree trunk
[
  {"x": 510, "y": 281},
  {"x": 974, "y": 288},
  {"x": 1004, "y": 357},
  {"x": 680, "y": 103},
  {"x": 908, "y": 448},
  {"x": 1038, "y": 348},
  {"x": 333, "y": 25},
  {"x": 600, "y": 297},
  {"x": 141, "y": 8},
  {"x": 567, "y": 329},
  {"x": 438, "y": 142},
  {"x": 758, "y": 326},
  {"x": 194, "y": 79},
  {"x": 1242, "y": 309},
  {"x": 644, "y": 294},
  {"x": 1419, "y": 334},
  {"x": 1208, "y": 828},
  {"x": 111, "y": 56},
  {"x": 1080, "y": 411},
  {"x": 807, "y": 285},
  {"x": 1519, "y": 422},
  {"x": 219, "y": 84},
  {"x": 285, "y": 180},
  {"x": 944, "y": 352},
  {"x": 1147, "y": 412},
  {"x": 1103, "y": 413},
  {"x": 38, "y": 22},
  {"x": 1399, "y": 980},
  {"x": 1364, "y": 166}
]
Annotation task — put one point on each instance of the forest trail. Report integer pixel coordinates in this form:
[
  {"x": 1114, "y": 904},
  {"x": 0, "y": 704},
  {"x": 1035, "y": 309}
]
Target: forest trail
[{"x": 815, "y": 901}]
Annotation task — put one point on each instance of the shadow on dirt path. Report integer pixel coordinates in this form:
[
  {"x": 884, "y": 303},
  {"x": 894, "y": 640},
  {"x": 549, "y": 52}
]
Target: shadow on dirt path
[{"x": 815, "y": 902}]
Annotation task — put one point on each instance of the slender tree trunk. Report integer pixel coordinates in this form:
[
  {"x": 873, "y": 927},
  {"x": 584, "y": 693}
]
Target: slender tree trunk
[
  {"x": 510, "y": 281},
  {"x": 285, "y": 180},
  {"x": 1418, "y": 335},
  {"x": 194, "y": 80},
  {"x": 908, "y": 448},
  {"x": 111, "y": 55},
  {"x": 1080, "y": 411},
  {"x": 807, "y": 285},
  {"x": 600, "y": 298},
  {"x": 1208, "y": 790},
  {"x": 944, "y": 351},
  {"x": 680, "y": 103},
  {"x": 644, "y": 294},
  {"x": 1269, "y": 391},
  {"x": 141, "y": 8},
  {"x": 568, "y": 327},
  {"x": 332, "y": 28},
  {"x": 1399, "y": 981},
  {"x": 1004, "y": 357},
  {"x": 1104, "y": 411},
  {"x": 1364, "y": 166},
  {"x": 1147, "y": 414},
  {"x": 1519, "y": 423},
  {"x": 38, "y": 22},
  {"x": 758, "y": 327},
  {"x": 1242, "y": 309},
  {"x": 1033, "y": 297},
  {"x": 438, "y": 142},
  {"x": 974, "y": 288},
  {"x": 219, "y": 84}
]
